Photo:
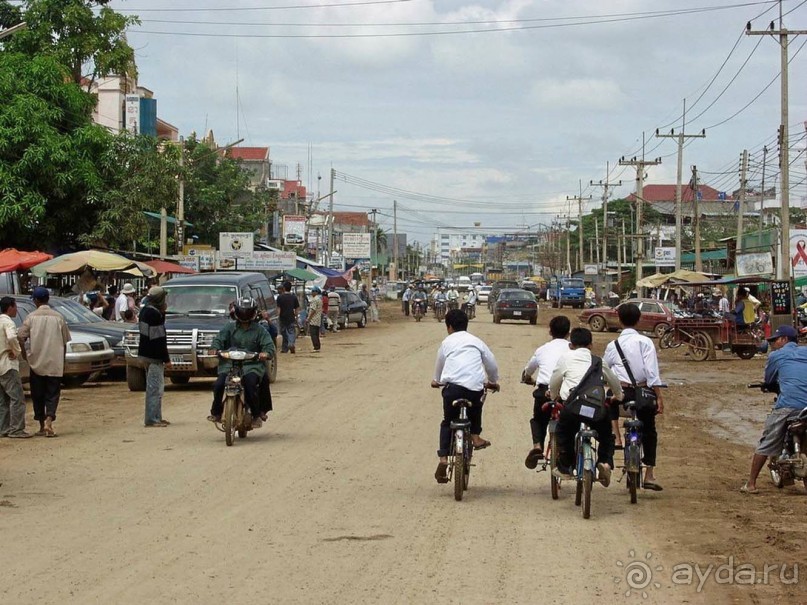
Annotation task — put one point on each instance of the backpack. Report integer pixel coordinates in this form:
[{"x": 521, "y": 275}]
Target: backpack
[{"x": 587, "y": 399}]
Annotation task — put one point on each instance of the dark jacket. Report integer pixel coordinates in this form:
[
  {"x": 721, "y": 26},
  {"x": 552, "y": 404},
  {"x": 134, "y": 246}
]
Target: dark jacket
[{"x": 153, "y": 343}]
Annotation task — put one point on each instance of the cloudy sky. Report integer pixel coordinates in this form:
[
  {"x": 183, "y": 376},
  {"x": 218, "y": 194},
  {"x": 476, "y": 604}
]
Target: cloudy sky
[{"x": 419, "y": 101}]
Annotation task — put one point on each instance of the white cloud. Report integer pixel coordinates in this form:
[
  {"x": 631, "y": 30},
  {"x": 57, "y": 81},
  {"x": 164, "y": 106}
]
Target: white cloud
[{"x": 585, "y": 93}]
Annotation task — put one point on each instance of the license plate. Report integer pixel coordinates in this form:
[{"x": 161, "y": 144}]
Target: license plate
[
  {"x": 516, "y": 312},
  {"x": 177, "y": 359}
]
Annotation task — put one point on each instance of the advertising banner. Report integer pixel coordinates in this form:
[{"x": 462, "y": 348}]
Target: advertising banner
[
  {"x": 132, "y": 124},
  {"x": 665, "y": 257},
  {"x": 356, "y": 245},
  {"x": 798, "y": 252},
  {"x": 755, "y": 263},
  {"x": 293, "y": 230},
  {"x": 234, "y": 244}
]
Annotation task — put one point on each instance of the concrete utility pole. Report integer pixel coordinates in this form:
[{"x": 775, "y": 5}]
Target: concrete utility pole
[
  {"x": 783, "y": 33},
  {"x": 762, "y": 193},
  {"x": 330, "y": 222},
  {"x": 679, "y": 222},
  {"x": 741, "y": 207},
  {"x": 373, "y": 248},
  {"x": 179, "y": 228},
  {"x": 640, "y": 176},
  {"x": 579, "y": 199},
  {"x": 693, "y": 184},
  {"x": 395, "y": 236},
  {"x": 606, "y": 194}
]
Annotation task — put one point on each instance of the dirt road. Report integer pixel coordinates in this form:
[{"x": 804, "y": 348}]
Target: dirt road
[{"x": 334, "y": 501}]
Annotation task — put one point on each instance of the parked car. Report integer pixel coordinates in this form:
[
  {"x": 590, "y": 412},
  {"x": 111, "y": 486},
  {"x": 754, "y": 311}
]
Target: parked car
[
  {"x": 498, "y": 287},
  {"x": 86, "y": 353},
  {"x": 483, "y": 293},
  {"x": 198, "y": 307},
  {"x": 656, "y": 317},
  {"x": 351, "y": 310},
  {"x": 515, "y": 304}
]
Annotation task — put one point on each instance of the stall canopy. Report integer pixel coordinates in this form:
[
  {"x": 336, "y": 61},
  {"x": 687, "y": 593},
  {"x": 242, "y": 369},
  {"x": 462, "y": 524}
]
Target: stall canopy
[
  {"x": 95, "y": 260},
  {"x": 15, "y": 260},
  {"x": 162, "y": 267},
  {"x": 301, "y": 275},
  {"x": 334, "y": 277},
  {"x": 676, "y": 277}
]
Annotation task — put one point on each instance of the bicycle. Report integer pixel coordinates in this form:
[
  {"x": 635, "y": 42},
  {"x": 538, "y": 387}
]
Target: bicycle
[
  {"x": 633, "y": 451},
  {"x": 551, "y": 455},
  {"x": 585, "y": 467}
]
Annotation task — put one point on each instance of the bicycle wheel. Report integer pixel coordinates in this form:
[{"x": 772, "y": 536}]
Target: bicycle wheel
[
  {"x": 240, "y": 417},
  {"x": 228, "y": 419},
  {"x": 633, "y": 484},
  {"x": 467, "y": 468},
  {"x": 459, "y": 466},
  {"x": 553, "y": 464},
  {"x": 588, "y": 480}
]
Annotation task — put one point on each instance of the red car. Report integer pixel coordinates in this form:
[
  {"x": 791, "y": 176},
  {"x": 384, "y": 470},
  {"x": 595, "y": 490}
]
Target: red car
[{"x": 656, "y": 317}]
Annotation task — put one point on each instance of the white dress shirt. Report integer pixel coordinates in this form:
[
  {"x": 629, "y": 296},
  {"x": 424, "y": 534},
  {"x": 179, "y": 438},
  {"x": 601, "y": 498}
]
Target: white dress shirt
[
  {"x": 641, "y": 355},
  {"x": 121, "y": 305},
  {"x": 464, "y": 360},
  {"x": 570, "y": 370},
  {"x": 8, "y": 345},
  {"x": 545, "y": 359}
]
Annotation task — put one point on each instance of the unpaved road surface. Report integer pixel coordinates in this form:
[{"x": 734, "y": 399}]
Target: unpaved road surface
[{"x": 334, "y": 501}]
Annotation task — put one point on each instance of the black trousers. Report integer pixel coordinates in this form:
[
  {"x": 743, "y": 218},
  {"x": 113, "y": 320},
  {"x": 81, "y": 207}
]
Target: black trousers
[
  {"x": 253, "y": 391},
  {"x": 569, "y": 424},
  {"x": 649, "y": 433},
  {"x": 451, "y": 393},
  {"x": 45, "y": 393},
  {"x": 405, "y": 306},
  {"x": 313, "y": 332},
  {"x": 540, "y": 419}
]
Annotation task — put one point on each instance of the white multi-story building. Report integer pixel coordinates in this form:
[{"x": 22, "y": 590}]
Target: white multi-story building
[{"x": 448, "y": 243}]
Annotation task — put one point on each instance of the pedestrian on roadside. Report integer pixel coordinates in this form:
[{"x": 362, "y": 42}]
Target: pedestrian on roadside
[
  {"x": 153, "y": 350},
  {"x": 315, "y": 316},
  {"x": 12, "y": 397},
  {"x": 407, "y": 294},
  {"x": 111, "y": 298},
  {"x": 374, "y": 302},
  {"x": 334, "y": 302},
  {"x": 49, "y": 336},
  {"x": 125, "y": 301},
  {"x": 323, "y": 327},
  {"x": 287, "y": 305}
]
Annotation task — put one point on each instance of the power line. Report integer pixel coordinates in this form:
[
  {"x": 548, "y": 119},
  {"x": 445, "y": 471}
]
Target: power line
[{"x": 260, "y": 8}]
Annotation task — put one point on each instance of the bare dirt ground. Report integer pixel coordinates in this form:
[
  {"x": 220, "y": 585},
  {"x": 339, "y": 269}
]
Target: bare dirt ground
[{"x": 334, "y": 500}]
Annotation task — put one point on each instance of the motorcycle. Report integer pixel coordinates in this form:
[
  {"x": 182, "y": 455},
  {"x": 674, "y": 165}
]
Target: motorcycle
[
  {"x": 418, "y": 309},
  {"x": 470, "y": 310},
  {"x": 791, "y": 464},
  {"x": 439, "y": 310},
  {"x": 236, "y": 417}
]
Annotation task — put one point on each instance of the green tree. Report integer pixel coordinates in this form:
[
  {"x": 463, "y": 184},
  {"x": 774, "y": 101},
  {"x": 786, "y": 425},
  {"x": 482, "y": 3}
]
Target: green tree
[
  {"x": 86, "y": 36},
  {"x": 141, "y": 175},
  {"x": 50, "y": 181}
]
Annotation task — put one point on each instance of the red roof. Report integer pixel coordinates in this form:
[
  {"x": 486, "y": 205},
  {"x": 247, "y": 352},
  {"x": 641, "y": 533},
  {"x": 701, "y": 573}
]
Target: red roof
[
  {"x": 14, "y": 260},
  {"x": 293, "y": 187},
  {"x": 358, "y": 219},
  {"x": 248, "y": 153},
  {"x": 666, "y": 193}
]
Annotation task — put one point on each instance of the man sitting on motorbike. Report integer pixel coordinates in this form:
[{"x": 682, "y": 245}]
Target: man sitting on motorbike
[
  {"x": 786, "y": 369},
  {"x": 419, "y": 298},
  {"x": 244, "y": 334},
  {"x": 470, "y": 300},
  {"x": 453, "y": 297}
]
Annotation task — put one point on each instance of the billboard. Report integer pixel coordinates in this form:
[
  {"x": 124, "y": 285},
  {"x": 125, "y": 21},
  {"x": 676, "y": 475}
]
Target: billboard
[
  {"x": 132, "y": 117},
  {"x": 665, "y": 256},
  {"x": 356, "y": 245},
  {"x": 756, "y": 263},
  {"x": 293, "y": 230},
  {"x": 798, "y": 252},
  {"x": 234, "y": 244},
  {"x": 257, "y": 261}
]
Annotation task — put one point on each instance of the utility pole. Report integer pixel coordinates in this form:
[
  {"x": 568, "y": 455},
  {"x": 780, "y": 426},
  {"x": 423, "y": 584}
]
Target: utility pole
[
  {"x": 679, "y": 222},
  {"x": 330, "y": 223},
  {"x": 741, "y": 207},
  {"x": 179, "y": 231},
  {"x": 373, "y": 248},
  {"x": 640, "y": 175},
  {"x": 762, "y": 193},
  {"x": 693, "y": 184},
  {"x": 596, "y": 239},
  {"x": 395, "y": 236},
  {"x": 579, "y": 199},
  {"x": 783, "y": 33},
  {"x": 606, "y": 194}
]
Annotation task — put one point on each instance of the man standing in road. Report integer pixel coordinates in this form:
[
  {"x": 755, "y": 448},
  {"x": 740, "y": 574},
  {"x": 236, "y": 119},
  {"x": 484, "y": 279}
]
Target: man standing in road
[
  {"x": 49, "y": 336},
  {"x": 334, "y": 302},
  {"x": 786, "y": 368},
  {"x": 12, "y": 398},
  {"x": 315, "y": 316},
  {"x": 288, "y": 307},
  {"x": 544, "y": 361},
  {"x": 153, "y": 350},
  {"x": 464, "y": 367},
  {"x": 407, "y": 294},
  {"x": 124, "y": 302},
  {"x": 638, "y": 352}
]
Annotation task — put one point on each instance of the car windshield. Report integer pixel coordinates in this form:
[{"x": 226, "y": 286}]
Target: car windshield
[
  {"x": 522, "y": 295},
  {"x": 200, "y": 299},
  {"x": 74, "y": 313},
  {"x": 485, "y": 288},
  {"x": 572, "y": 283}
]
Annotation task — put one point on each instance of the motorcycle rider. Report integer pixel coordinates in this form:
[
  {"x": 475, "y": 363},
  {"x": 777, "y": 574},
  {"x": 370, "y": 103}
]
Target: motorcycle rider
[
  {"x": 419, "y": 298},
  {"x": 245, "y": 334},
  {"x": 452, "y": 296},
  {"x": 787, "y": 368},
  {"x": 470, "y": 302}
]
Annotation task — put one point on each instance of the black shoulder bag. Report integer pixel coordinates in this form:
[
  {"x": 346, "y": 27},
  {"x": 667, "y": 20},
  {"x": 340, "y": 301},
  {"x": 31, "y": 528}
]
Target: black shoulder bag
[
  {"x": 644, "y": 397},
  {"x": 587, "y": 399}
]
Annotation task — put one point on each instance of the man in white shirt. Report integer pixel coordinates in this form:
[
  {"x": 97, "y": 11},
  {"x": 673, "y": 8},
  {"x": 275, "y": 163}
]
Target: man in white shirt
[
  {"x": 464, "y": 366},
  {"x": 122, "y": 303},
  {"x": 544, "y": 361},
  {"x": 407, "y": 294},
  {"x": 723, "y": 304},
  {"x": 12, "y": 398},
  {"x": 569, "y": 372},
  {"x": 641, "y": 356}
]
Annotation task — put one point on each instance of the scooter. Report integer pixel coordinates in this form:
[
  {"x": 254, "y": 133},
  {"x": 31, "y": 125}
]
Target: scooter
[{"x": 418, "y": 308}]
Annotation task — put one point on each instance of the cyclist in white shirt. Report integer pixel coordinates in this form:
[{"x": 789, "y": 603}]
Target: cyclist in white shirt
[
  {"x": 544, "y": 361},
  {"x": 464, "y": 366},
  {"x": 640, "y": 354}
]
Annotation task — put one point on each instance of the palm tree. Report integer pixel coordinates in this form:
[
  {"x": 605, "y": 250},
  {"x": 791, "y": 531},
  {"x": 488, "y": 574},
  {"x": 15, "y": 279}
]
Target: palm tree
[{"x": 380, "y": 239}]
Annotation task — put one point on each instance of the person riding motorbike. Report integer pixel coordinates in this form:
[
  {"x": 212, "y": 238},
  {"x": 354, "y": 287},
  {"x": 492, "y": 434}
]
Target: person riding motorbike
[
  {"x": 785, "y": 372},
  {"x": 419, "y": 298},
  {"x": 470, "y": 301},
  {"x": 245, "y": 334},
  {"x": 453, "y": 297}
]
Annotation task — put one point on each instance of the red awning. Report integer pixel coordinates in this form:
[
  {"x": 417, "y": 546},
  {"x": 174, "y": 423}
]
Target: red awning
[
  {"x": 162, "y": 267},
  {"x": 14, "y": 260}
]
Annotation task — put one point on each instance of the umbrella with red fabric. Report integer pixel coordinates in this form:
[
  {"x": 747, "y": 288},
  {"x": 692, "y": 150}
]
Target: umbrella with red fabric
[
  {"x": 162, "y": 267},
  {"x": 16, "y": 260}
]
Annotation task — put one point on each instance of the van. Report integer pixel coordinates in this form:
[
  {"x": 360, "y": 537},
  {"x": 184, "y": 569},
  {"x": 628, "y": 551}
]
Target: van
[{"x": 464, "y": 283}]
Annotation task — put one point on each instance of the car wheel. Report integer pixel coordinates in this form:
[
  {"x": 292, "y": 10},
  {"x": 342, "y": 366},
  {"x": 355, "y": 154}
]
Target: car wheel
[
  {"x": 135, "y": 378},
  {"x": 362, "y": 323},
  {"x": 534, "y": 320},
  {"x": 75, "y": 381},
  {"x": 597, "y": 323},
  {"x": 660, "y": 329}
]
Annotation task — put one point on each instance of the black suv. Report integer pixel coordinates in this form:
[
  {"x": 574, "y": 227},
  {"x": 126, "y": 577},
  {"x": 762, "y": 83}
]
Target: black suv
[
  {"x": 352, "y": 309},
  {"x": 198, "y": 307},
  {"x": 498, "y": 287}
]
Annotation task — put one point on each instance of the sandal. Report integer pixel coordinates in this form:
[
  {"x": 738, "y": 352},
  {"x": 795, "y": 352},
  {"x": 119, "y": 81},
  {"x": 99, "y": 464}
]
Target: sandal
[
  {"x": 482, "y": 445},
  {"x": 50, "y": 433},
  {"x": 746, "y": 490},
  {"x": 216, "y": 419},
  {"x": 652, "y": 486},
  {"x": 440, "y": 474},
  {"x": 533, "y": 457}
]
